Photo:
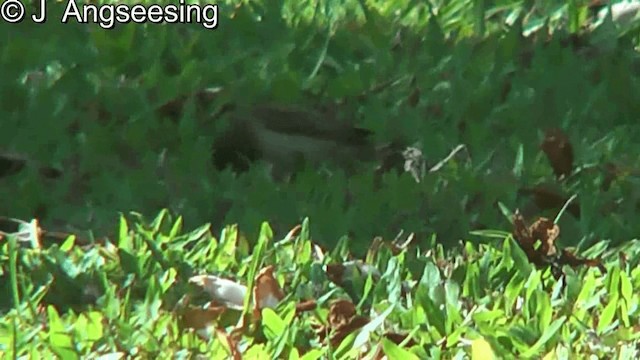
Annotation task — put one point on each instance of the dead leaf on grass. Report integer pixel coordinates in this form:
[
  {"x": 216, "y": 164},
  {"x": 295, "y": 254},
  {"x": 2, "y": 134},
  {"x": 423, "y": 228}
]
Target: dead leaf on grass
[
  {"x": 342, "y": 321},
  {"x": 557, "y": 146},
  {"x": 226, "y": 295},
  {"x": 306, "y": 306},
  {"x": 569, "y": 258},
  {"x": 543, "y": 230},
  {"x": 267, "y": 293},
  {"x": 545, "y": 253},
  {"x": 200, "y": 318}
]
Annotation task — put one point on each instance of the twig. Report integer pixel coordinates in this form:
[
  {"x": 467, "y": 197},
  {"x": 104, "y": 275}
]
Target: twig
[{"x": 444, "y": 161}]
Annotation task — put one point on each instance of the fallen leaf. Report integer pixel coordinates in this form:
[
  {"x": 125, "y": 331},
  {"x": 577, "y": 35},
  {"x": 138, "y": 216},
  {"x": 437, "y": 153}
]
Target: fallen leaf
[
  {"x": 343, "y": 331},
  {"x": 340, "y": 313},
  {"x": 548, "y": 232},
  {"x": 571, "y": 259},
  {"x": 200, "y": 318},
  {"x": 267, "y": 293},
  {"x": 305, "y": 306},
  {"x": 546, "y": 254},
  {"x": 559, "y": 151},
  {"x": 543, "y": 230},
  {"x": 342, "y": 321}
]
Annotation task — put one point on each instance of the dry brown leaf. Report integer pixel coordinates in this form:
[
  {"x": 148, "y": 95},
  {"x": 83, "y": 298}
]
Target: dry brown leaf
[
  {"x": 267, "y": 293},
  {"x": 521, "y": 231},
  {"x": 343, "y": 331},
  {"x": 305, "y": 306},
  {"x": 342, "y": 321},
  {"x": 544, "y": 230},
  {"x": 340, "y": 313},
  {"x": 198, "y": 317},
  {"x": 557, "y": 147},
  {"x": 547, "y": 232},
  {"x": 569, "y": 258}
]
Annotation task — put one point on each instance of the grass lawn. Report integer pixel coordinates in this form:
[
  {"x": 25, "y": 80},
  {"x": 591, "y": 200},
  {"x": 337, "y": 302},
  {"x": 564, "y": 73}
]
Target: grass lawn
[{"x": 513, "y": 233}]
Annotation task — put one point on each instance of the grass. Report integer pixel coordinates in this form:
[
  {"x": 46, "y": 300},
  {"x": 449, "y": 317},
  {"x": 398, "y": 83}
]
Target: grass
[
  {"x": 83, "y": 108},
  {"x": 448, "y": 303}
]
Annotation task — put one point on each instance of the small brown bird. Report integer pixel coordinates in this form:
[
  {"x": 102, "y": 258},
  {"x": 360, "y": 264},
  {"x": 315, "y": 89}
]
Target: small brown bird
[{"x": 285, "y": 137}]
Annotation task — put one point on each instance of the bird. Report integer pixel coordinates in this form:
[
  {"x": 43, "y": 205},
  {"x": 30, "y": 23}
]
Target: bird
[{"x": 286, "y": 137}]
